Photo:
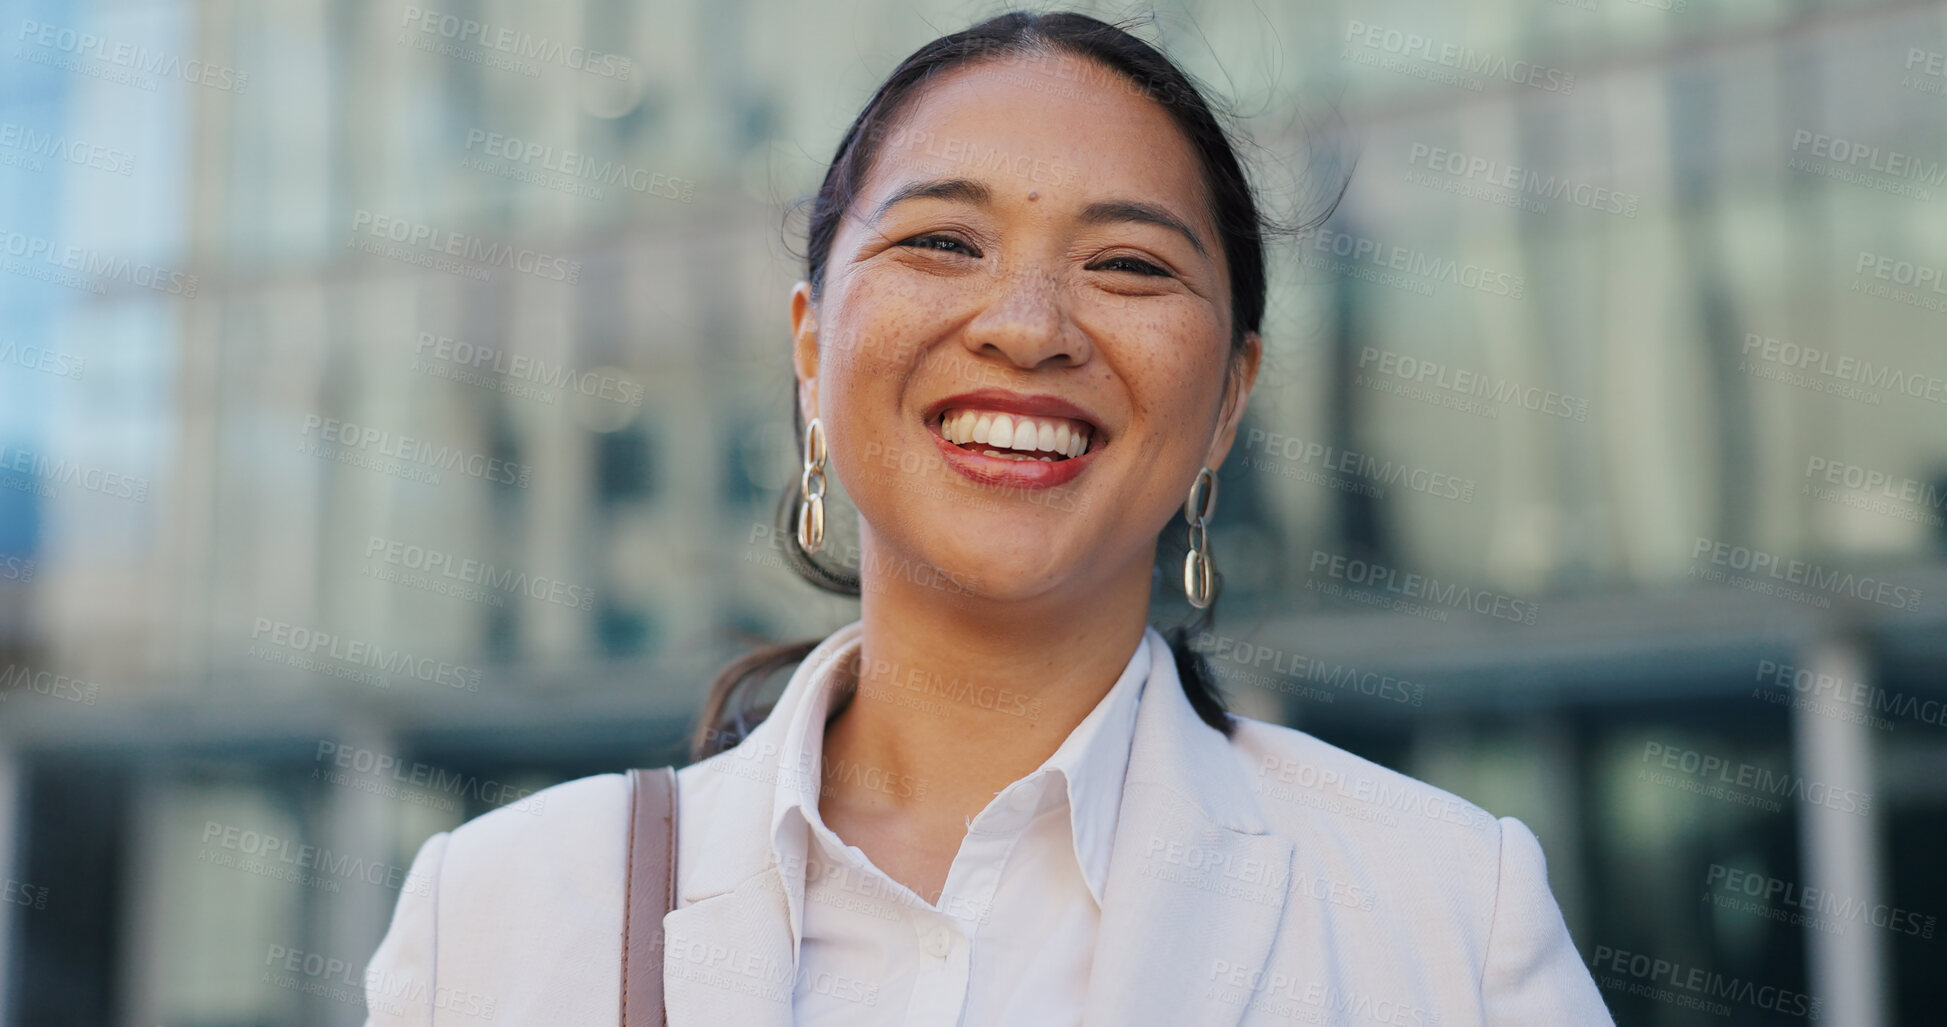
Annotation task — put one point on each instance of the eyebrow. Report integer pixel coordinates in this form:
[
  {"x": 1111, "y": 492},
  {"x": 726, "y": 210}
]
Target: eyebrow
[
  {"x": 1114, "y": 211},
  {"x": 966, "y": 190},
  {"x": 1107, "y": 212}
]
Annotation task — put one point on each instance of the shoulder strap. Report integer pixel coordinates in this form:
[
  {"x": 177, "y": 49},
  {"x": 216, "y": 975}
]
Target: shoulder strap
[{"x": 651, "y": 894}]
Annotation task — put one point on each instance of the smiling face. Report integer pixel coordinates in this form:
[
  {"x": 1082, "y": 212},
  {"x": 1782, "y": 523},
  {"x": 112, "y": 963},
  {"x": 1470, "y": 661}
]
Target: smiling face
[{"x": 1019, "y": 351}]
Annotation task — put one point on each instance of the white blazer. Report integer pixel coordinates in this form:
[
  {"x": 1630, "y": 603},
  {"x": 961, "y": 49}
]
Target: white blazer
[{"x": 1264, "y": 879}]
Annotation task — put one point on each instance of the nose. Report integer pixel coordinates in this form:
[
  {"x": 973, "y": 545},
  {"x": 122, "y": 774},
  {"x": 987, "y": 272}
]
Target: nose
[{"x": 1026, "y": 323}]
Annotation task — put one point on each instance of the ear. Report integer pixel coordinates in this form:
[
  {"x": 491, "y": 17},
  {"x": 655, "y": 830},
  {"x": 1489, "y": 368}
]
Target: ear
[
  {"x": 1237, "y": 392},
  {"x": 804, "y": 348}
]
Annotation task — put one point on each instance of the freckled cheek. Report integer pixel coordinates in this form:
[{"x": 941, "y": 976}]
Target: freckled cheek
[
  {"x": 864, "y": 366},
  {"x": 1170, "y": 368},
  {"x": 885, "y": 334}
]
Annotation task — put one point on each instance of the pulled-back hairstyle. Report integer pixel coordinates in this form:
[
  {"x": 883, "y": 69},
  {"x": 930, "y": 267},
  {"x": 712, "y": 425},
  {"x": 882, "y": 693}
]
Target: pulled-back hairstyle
[{"x": 1127, "y": 62}]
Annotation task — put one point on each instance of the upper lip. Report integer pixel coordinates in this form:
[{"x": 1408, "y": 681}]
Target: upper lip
[{"x": 1034, "y": 404}]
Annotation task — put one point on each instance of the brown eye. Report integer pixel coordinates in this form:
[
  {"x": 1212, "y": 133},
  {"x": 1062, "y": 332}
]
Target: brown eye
[
  {"x": 940, "y": 243},
  {"x": 1141, "y": 267}
]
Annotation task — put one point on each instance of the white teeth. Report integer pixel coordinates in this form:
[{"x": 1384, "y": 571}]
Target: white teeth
[
  {"x": 1016, "y": 432},
  {"x": 1002, "y": 433},
  {"x": 1026, "y": 435}
]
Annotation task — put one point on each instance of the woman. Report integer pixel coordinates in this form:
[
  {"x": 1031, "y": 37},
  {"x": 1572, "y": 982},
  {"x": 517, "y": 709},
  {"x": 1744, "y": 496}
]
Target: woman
[{"x": 1027, "y": 332}]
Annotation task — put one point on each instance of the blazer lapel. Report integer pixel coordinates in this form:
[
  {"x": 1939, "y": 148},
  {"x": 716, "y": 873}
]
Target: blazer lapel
[
  {"x": 730, "y": 957},
  {"x": 1196, "y": 887},
  {"x": 731, "y": 951}
]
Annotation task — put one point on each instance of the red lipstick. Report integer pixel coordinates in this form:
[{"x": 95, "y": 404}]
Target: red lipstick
[{"x": 999, "y": 472}]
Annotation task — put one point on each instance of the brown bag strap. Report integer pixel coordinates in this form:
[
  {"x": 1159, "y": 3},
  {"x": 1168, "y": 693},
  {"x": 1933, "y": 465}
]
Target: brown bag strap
[{"x": 651, "y": 894}]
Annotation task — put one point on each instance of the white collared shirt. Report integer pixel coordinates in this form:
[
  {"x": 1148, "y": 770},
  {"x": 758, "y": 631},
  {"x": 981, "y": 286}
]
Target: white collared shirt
[{"x": 1012, "y": 938}]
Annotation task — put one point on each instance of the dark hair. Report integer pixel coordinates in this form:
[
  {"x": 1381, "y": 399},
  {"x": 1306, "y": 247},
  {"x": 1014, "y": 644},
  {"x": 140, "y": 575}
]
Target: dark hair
[{"x": 729, "y": 713}]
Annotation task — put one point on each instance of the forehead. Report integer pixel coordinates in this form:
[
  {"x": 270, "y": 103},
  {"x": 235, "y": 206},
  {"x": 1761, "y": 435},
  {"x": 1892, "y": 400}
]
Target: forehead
[{"x": 1071, "y": 129}]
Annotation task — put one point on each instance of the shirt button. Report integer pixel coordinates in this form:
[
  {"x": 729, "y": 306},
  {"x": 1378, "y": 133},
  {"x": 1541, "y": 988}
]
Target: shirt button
[{"x": 936, "y": 943}]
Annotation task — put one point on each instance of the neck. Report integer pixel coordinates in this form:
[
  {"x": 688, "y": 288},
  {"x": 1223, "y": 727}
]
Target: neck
[{"x": 959, "y": 696}]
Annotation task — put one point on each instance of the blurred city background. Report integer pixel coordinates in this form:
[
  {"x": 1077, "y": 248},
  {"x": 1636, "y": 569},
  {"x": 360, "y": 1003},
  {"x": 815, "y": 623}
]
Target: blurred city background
[{"x": 394, "y": 398}]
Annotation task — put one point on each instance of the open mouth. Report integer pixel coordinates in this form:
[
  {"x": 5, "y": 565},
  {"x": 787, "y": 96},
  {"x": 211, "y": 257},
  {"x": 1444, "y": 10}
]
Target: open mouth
[{"x": 1015, "y": 436}]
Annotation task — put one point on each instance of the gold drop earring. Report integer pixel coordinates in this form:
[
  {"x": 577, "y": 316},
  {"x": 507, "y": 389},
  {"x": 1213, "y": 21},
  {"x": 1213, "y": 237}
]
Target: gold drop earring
[
  {"x": 1199, "y": 572},
  {"x": 811, "y": 490}
]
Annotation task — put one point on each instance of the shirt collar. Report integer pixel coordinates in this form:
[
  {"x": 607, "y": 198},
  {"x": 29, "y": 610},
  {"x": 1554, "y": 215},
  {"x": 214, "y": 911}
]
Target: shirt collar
[{"x": 1092, "y": 761}]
